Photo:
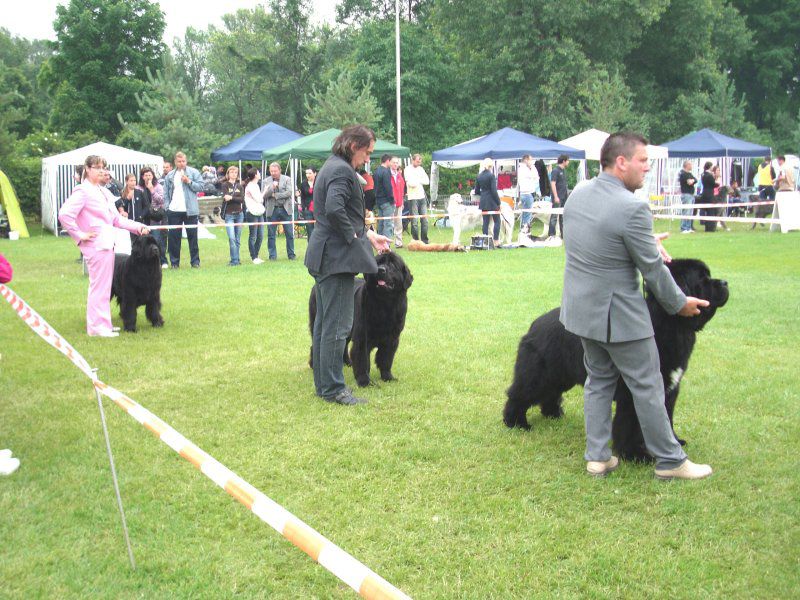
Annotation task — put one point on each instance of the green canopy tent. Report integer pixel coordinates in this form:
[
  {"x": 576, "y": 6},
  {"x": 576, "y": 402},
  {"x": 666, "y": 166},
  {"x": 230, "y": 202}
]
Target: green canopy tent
[{"x": 318, "y": 146}]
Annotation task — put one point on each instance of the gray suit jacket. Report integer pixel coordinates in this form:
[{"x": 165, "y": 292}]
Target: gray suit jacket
[
  {"x": 609, "y": 241},
  {"x": 280, "y": 197},
  {"x": 339, "y": 243}
]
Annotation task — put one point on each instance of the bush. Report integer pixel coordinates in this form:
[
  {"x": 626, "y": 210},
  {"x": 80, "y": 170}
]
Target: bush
[{"x": 25, "y": 175}]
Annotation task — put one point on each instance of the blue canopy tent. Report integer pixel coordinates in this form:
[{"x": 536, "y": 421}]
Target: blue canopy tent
[
  {"x": 251, "y": 145},
  {"x": 733, "y": 154},
  {"x": 504, "y": 144}
]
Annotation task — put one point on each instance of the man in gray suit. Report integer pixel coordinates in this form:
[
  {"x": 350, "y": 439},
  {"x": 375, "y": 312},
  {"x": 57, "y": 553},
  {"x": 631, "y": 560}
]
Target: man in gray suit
[
  {"x": 278, "y": 201},
  {"x": 611, "y": 241},
  {"x": 340, "y": 247}
]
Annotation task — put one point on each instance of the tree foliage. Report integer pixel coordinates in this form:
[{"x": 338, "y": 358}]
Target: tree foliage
[
  {"x": 102, "y": 51},
  {"x": 169, "y": 120},
  {"x": 341, "y": 104}
]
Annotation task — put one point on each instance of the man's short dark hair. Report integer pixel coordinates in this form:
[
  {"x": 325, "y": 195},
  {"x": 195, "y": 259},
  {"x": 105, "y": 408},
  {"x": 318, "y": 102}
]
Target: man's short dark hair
[
  {"x": 359, "y": 135},
  {"x": 385, "y": 157},
  {"x": 621, "y": 143},
  {"x": 562, "y": 159},
  {"x": 782, "y": 158}
]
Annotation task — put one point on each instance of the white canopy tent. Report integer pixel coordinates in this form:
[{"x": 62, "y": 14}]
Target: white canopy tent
[
  {"x": 592, "y": 140},
  {"x": 58, "y": 171}
]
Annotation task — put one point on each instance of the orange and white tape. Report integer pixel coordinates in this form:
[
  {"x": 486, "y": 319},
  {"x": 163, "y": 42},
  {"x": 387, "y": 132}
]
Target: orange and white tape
[{"x": 352, "y": 572}]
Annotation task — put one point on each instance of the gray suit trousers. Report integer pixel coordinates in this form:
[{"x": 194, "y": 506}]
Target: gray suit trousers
[{"x": 638, "y": 363}]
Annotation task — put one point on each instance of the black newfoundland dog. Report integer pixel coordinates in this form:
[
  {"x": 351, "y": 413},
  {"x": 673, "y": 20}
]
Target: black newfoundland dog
[
  {"x": 137, "y": 282},
  {"x": 550, "y": 360},
  {"x": 379, "y": 317}
]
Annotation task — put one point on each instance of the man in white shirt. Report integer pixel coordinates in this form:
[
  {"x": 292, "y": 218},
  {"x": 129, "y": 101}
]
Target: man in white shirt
[
  {"x": 180, "y": 200},
  {"x": 416, "y": 178},
  {"x": 528, "y": 181}
]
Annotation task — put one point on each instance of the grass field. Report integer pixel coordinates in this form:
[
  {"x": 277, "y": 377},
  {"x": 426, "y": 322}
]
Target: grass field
[{"x": 424, "y": 484}]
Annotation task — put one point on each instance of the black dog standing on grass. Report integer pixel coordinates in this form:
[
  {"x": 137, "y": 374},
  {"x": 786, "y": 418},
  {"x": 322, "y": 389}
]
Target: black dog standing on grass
[
  {"x": 550, "y": 360},
  {"x": 137, "y": 282},
  {"x": 379, "y": 316}
]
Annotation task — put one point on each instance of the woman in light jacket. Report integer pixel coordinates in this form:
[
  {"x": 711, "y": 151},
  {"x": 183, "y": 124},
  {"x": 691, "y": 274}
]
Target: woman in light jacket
[
  {"x": 254, "y": 205},
  {"x": 90, "y": 221},
  {"x": 232, "y": 192},
  {"x": 486, "y": 188},
  {"x": 156, "y": 214}
]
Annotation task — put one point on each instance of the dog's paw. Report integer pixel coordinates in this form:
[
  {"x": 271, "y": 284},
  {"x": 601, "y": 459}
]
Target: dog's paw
[
  {"x": 550, "y": 412},
  {"x": 365, "y": 382},
  {"x": 388, "y": 377},
  {"x": 158, "y": 323}
]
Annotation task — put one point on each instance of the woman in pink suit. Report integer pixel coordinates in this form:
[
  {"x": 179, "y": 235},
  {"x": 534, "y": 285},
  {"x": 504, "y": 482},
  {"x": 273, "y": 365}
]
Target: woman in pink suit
[{"x": 90, "y": 221}]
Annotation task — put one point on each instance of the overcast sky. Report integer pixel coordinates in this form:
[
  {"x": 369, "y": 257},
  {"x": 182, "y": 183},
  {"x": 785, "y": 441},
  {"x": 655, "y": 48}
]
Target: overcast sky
[{"x": 33, "y": 19}]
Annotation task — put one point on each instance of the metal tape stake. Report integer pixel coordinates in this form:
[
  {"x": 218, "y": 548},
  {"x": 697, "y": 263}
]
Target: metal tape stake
[{"x": 114, "y": 474}]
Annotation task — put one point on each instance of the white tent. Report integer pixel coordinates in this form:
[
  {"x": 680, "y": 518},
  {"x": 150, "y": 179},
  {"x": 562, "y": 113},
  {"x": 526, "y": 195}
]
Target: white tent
[
  {"x": 58, "y": 171},
  {"x": 592, "y": 140}
]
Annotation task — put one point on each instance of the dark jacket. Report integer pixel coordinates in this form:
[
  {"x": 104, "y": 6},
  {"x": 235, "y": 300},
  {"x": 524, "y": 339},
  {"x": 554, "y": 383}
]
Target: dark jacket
[
  {"x": 306, "y": 196},
  {"x": 236, "y": 191},
  {"x": 708, "y": 187},
  {"x": 486, "y": 188},
  {"x": 138, "y": 208},
  {"x": 339, "y": 243},
  {"x": 383, "y": 186}
]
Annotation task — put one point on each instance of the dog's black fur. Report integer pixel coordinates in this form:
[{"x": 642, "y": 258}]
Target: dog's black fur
[
  {"x": 137, "y": 282},
  {"x": 550, "y": 360},
  {"x": 379, "y": 317}
]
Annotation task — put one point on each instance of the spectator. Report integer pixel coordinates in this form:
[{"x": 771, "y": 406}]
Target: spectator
[
  {"x": 384, "y": 197},
  {"x": 132, "y": 202},
  {"x": 90, "y": 221},
  {"x": 180, "y": 198},
  {"x": 278, "y": 200},
  {"x": 785, "y": 180},
  {"x": 255, "y": 209},
  {"x": 339, "y": 248},
  {"x": 232, "y": 211},
  {"x": 687, "y": 182},
  {"x": 8, "y": 464},
  {"x": 164, "y": 172},
  {"x": 707, "y": 196},
  {"x": 766, "y": 177},
  {"x": 306, "y": 194},
  {"x": 416, "y": 178},
  {"x": 398, "y": 191},
  {"x": 486, "y": 188},
  {"x": 209, "y": 177},
  {"x": 156, "y": 216},
  {"x": 528, "y": 181},
  {"x": 369, "y": 189},
  {"x": 560, "y": 192}
]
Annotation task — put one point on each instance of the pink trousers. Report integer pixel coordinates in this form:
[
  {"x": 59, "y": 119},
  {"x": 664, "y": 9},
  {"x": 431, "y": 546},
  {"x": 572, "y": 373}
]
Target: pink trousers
[{"x": 98, "y": 302}]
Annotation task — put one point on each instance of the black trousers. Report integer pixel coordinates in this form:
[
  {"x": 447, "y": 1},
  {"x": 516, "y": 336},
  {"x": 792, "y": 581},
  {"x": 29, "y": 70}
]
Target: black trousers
[{"x": 174, "y": 238}]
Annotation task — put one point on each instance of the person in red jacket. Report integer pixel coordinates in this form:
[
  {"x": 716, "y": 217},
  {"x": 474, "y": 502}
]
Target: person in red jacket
[{"x": 398, "y": 191}]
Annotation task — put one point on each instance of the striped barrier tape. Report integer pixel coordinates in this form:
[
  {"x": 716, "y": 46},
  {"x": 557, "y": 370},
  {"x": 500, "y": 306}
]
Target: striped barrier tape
[{"x": 355, "y": 574}]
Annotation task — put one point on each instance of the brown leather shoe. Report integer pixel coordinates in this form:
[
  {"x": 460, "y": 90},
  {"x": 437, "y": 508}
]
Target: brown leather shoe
[
  {"x": 601, "y": 468},
  {"x": 688, "y": 470}
]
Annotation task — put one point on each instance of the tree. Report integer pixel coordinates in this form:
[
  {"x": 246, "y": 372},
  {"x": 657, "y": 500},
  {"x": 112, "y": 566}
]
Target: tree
[
  {"x": 169, "y": 119},
  {"x": 352, "y": 12},
  {"x": 23, "y": 104},
  {"x": 191, "y": 62},
  {"x": 101, "y": 55},
  {"x": 341, "y": 104}
]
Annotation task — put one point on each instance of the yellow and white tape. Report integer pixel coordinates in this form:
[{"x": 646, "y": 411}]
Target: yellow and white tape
[{"x": 349, "y": 570}]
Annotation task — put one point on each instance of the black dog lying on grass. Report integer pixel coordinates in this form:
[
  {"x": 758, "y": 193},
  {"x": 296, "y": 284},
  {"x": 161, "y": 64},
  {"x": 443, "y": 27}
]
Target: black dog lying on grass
[
  {"x": 550, "y": 360},
  {"x": 137, "y": 282},
  {"x": 379, "y": 317}
]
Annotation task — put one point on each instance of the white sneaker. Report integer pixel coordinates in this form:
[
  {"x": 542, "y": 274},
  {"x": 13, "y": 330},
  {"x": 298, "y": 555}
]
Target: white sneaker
[
  {"x": 5, "y": 454},
  {"x": 165, "y": 266},
  {"x": 601, "y": 468},
  {"x": 687, "y": 231},
  {"x": 257, "y": 261},
  {"x": 688, "y": 470},
  {"x": 107, "y": 333},
  {"x": 115, "y": 329},
  {"x": 8, "y": 466}
]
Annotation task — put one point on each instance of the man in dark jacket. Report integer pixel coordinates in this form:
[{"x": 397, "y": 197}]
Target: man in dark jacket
[
  {"x": 340, "y": 248},
  {"x": 384, "y": 197}
]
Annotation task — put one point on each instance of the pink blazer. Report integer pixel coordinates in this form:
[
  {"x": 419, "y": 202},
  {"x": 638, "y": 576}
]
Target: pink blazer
[
  {"x": 5, "y": 270},
  {"x": 88, "y": 210}
]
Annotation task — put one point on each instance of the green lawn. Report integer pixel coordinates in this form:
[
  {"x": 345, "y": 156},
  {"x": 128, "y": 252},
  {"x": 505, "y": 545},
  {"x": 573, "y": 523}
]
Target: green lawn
[{"x": 424, "y": 484}]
